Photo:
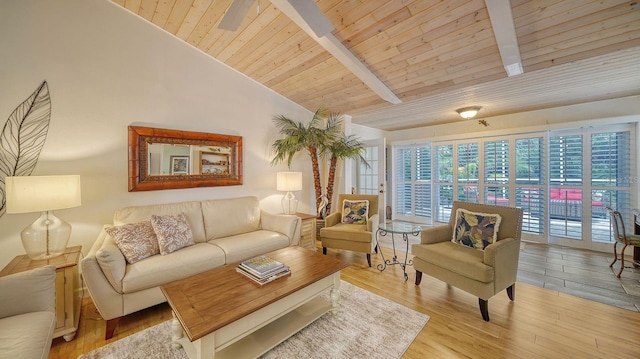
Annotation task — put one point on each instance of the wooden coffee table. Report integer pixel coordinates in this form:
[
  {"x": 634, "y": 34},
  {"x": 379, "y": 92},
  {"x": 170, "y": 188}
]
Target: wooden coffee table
[{"x": 226, "y": 315}]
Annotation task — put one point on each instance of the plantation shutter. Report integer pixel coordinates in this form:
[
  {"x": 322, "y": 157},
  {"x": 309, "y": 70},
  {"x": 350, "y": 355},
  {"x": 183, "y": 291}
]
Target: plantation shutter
[
  {"x": 530, "y": 183},
  {"x": 423, "y": 181},
  {"x": 403, "y": 175}
]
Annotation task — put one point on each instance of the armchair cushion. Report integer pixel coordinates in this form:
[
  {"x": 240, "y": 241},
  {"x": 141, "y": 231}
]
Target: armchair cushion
[
  {"x": 349, "y": 232},
  {"x": 451, "y": 257},
  {"x": 28, "y": 291},
  {"x": 27, "y": 335},
  {"x": 475, "y": 230},
  {"x": 27, "y": 313},
  {"x": 355, "y": 211}
]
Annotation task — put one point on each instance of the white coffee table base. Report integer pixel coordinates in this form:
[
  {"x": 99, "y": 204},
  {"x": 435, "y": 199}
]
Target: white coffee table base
[{"x": 260, "y": 331}]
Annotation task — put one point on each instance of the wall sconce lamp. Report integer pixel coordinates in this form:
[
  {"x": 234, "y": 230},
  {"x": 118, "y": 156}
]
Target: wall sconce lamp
[
  {"x": 468, "y": 112},
  {"x": 289, "y": 181},
  {"x": 47, "y": 237}
]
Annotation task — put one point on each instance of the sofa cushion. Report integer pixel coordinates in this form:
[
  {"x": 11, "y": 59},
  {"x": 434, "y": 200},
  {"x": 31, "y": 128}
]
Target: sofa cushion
[
  {"x": 240, "y": 247},
  {"x": 173, "y": 232},
  {"x": 158, "y": 270},
  {"x": 136, "y": 241},
  {"x": 228, "y": 217},
  {"x": 355, "y": 211},
  {"x": 464, "y": 261},
  {"x": 192, "y": 211},
  {"x": 475, "y": 230},
  {"x": 27, "y": 335},
  {"x": 348, "y": 232}
]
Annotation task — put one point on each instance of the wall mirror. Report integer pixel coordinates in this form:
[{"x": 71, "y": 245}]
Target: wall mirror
[{"x": 167, "y": 159}]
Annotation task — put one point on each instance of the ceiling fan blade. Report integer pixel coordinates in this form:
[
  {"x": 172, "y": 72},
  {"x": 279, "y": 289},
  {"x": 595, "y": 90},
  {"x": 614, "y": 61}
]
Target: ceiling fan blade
[{"x": 235, "y": 14}]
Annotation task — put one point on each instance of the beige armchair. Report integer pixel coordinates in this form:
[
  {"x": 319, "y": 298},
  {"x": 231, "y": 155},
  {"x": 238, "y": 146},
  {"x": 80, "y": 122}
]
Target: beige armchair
[
  {"x": 27, "y": 313},
  {"x": 339, "y": 234},
  {"x": 482, "y": 273}
]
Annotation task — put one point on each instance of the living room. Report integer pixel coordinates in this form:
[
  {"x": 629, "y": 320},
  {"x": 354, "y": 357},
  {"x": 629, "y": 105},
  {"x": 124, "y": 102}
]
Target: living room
[{"x": 107, "y": 69}]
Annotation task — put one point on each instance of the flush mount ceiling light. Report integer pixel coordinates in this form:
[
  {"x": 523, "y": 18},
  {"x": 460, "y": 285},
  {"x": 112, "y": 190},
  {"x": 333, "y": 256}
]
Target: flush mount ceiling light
[{"x": 468, "y": 112}]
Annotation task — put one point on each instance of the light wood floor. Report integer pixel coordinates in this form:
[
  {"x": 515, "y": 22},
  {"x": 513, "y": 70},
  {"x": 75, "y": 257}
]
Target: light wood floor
[{"x": 540, "y": 323}]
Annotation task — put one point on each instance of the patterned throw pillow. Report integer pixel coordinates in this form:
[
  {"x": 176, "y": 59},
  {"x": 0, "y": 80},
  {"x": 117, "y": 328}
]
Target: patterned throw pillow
[
  {"x": 355, "y": 211},
  {"x": 475, "y": 230},
  {"x": 173, "y": 232},
  {"x": 136, "y": 241}
]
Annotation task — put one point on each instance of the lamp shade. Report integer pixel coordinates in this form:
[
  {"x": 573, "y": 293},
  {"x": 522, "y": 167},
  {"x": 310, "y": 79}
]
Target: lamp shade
[
  {"x": 28, "y": 194},
  {"x": 289, "y": 181}
]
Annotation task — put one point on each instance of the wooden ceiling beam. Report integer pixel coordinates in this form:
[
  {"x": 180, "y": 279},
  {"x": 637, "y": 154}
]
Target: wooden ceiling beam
[
  {"x": 340, "y": 52},
  {"x": 504, "y": 31}
]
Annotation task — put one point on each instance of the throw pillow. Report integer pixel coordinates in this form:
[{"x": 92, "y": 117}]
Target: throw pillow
[
  {"x": 475, "y": 230},
  {"x": 173, "y": 232},
  {"x": 136, "y": 241},
  {"x": 355, "y": 211}
]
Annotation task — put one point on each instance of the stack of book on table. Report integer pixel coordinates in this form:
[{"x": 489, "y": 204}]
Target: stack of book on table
[{"x": 263, "y": 269}]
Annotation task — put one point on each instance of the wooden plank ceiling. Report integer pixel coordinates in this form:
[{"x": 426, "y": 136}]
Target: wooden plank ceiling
[{"x": 435, "y": 56}]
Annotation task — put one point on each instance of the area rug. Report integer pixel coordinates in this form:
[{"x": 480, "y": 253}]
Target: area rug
[{"x": 364, "y": 325}]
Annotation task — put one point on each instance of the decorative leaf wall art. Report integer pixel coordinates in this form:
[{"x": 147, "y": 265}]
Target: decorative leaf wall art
[{"x": 23, "y": 137}]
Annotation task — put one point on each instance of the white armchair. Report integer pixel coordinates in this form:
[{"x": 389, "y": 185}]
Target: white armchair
[{"x": 27, "y": 313}]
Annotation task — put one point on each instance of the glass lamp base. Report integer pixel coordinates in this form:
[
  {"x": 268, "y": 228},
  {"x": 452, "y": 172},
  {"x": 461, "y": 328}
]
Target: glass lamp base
[
  {"x": 47, "y": 237},
  {"x": 289, "y": 203}
]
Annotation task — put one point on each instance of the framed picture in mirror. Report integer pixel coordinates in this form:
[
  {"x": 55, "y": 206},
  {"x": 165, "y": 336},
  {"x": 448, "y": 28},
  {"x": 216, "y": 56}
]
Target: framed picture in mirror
[{"x": 179, "y": 165}]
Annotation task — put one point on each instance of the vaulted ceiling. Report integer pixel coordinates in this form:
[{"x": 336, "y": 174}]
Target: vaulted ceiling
[{"x": 430, "y": 57}]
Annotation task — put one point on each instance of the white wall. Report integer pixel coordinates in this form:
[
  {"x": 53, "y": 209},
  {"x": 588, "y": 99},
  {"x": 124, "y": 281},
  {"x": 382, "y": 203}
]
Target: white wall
[
  {"x": 107, "y": 69},
  {"x": 625, "y": 109}
]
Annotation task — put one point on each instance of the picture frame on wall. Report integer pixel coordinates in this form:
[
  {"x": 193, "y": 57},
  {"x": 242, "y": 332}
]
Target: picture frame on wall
[
  {"x": 179, "y": 165},
  {"x": 207, "y": 159}
]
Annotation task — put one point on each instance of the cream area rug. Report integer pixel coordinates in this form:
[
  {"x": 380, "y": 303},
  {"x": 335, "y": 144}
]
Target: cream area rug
[{"x": 365, "y": 325}]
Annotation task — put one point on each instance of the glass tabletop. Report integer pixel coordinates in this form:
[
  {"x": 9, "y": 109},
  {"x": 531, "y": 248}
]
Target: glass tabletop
[{"x": 399, "y": 227}]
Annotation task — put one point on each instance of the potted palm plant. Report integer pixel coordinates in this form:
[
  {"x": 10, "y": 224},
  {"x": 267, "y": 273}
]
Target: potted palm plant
[{"x": 319, "y": 141}]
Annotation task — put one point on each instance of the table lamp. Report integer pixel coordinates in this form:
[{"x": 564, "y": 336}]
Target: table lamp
[
  {"x": 289, "y": 181},
  {"x": 47, "y": 237}
]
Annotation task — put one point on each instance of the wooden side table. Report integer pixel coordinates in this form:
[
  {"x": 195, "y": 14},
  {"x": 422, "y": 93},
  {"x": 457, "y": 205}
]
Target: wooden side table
[
  {"x": 68, "y": 292},
  {"x": 308, "y": 232}
]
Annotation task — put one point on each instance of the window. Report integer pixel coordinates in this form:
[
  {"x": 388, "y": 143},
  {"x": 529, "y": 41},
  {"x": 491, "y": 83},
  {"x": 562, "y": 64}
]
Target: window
[
  {"x": 403, "y": 187},
  {"x": 496, "y": 172},
  {"x": 423, "y": 181},
  {"x": 444, "y": 182},
  {"x": 468, "y": 172},
  {"x": 413, "y": 194},
  {"x": 610, "y": 180},
  {"x": 563, "y": 180},
  {"x": 368, "y": 183},
  {"x": 530, "y": 183},
  {"x": 565, "y": 190}
]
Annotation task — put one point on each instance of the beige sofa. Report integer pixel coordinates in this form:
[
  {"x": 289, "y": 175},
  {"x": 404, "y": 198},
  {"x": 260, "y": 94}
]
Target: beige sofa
[
  {"x": 27, "y": 313},
  {"x": 224, "y": 230}
]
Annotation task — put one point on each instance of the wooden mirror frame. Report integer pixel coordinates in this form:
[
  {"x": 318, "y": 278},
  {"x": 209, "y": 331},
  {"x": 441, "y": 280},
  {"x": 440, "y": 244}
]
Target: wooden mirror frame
[{"x": 139, "y": 178}]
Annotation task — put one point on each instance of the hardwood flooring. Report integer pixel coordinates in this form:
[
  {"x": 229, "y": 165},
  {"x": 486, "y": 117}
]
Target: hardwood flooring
[{"x": 540, "y": 323}]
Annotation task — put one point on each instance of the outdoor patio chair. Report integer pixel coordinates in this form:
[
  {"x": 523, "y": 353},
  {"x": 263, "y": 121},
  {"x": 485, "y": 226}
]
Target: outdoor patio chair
[{"x": 621, "y": 236}]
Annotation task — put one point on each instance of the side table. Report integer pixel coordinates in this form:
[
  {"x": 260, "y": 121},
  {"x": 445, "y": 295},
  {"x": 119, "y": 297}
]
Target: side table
[
  {"x": 404, "y": 228},
  {"x": 308, "y": 231},
  {"x": 68, "y": 293}
]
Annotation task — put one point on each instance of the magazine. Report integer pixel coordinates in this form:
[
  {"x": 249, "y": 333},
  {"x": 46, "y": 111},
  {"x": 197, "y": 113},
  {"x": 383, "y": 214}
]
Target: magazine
[
  {"x": 262, "y": 281},
  {"x": 262, "y": 266}
]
